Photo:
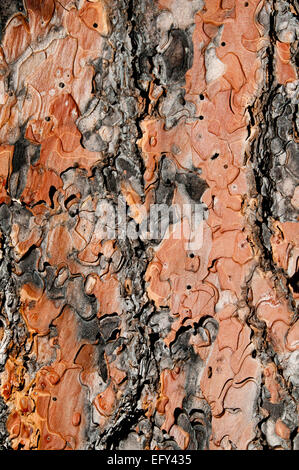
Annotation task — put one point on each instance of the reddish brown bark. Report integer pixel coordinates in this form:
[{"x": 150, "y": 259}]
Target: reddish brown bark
[{"x": 186, "y": 339}]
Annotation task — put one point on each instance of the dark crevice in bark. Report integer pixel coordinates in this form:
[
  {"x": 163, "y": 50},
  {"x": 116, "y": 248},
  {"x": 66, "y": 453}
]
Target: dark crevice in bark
[{"x": 268, "y": 143}]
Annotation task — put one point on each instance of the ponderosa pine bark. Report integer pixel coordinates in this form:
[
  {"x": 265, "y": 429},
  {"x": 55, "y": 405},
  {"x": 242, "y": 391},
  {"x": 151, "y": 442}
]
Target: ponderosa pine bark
[{"x": 149, "y": 242}]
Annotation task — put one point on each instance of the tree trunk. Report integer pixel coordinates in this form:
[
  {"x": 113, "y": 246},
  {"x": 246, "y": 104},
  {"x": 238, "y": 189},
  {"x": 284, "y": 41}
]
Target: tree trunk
[{"x": 149, "y": 246}]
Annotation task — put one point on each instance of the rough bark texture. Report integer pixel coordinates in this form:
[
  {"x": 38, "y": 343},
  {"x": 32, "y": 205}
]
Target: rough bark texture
[{"x": 160, "y": 342}]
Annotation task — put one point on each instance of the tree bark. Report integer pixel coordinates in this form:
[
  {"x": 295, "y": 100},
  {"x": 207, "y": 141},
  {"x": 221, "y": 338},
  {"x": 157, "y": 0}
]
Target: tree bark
[{"x": 148, "y": 224}]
